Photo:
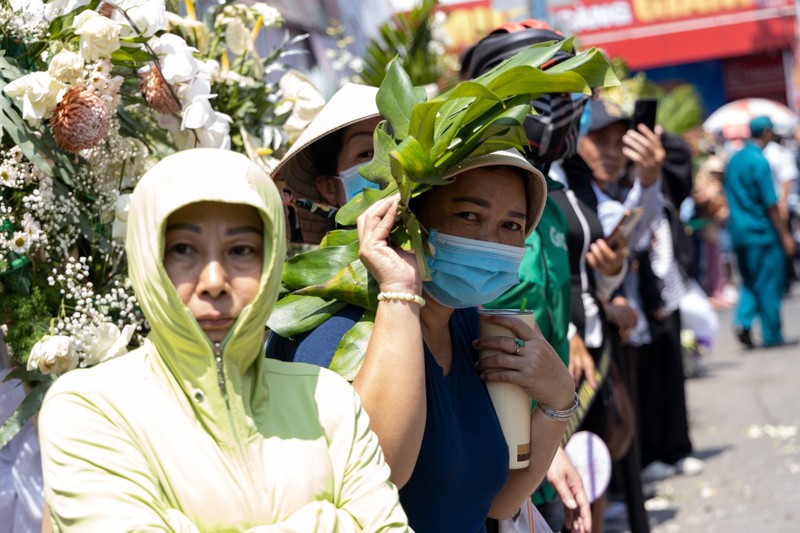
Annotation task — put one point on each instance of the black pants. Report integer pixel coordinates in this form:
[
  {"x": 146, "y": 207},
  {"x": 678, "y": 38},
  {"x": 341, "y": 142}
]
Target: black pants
[{"x": 663, "y": 424}]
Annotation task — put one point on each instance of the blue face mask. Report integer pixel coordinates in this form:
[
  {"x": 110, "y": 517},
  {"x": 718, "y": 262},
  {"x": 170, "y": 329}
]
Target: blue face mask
[
  {"x": 469, "y": 273},
  {"x": 354, "y": 182},
  {"x": 586, "y": 118}
]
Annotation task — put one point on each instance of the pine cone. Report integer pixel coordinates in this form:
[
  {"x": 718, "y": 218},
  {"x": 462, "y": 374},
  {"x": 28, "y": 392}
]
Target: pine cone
[
  {"x": 80, "y": 121},
  {"x": 157, "y": 92}
]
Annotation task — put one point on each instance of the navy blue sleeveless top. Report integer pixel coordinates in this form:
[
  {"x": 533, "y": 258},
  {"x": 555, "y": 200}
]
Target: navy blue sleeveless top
[{"x": 463, "y": 460}]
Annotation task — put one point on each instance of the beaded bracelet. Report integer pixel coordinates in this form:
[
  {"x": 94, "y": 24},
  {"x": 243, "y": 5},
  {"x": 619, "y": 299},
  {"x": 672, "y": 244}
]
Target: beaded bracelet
[
  {"x": 405, "y": 296},
  {"x": 560, "y": 415}
]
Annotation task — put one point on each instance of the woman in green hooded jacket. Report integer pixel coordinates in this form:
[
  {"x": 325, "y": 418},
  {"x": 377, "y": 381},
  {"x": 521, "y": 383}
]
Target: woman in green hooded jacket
[{"x": 196, "y": 430}]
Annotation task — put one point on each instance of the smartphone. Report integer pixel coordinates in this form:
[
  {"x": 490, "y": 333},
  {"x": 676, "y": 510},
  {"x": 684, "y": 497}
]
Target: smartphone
[
  {"x": 644, "y": 112},
  {"x": 624, "y": 227}
]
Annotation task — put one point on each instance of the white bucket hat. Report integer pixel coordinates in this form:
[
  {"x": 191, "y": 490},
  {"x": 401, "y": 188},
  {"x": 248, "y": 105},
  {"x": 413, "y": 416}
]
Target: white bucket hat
[
  {"x": 351, "y": 104},
  {"x": 535, "y": 185}
]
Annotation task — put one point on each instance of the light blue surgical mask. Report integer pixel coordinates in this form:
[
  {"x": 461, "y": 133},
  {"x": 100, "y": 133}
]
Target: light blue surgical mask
[
  {"x": 586, "y": 119},
  {"x": 354, "y": 182},
  {"x": 468, "y": 272}
]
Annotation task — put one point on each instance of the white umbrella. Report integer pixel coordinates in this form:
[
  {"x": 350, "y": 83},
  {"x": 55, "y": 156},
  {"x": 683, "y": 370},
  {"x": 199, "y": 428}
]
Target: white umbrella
[{"x": 733, "y": 118}]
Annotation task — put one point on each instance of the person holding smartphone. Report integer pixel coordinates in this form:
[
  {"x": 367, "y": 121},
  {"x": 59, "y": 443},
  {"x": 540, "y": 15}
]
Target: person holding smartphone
[{"x": 618, "y": 155}]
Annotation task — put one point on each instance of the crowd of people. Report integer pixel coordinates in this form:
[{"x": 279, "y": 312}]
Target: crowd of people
[{"x": 601, "y": 227}]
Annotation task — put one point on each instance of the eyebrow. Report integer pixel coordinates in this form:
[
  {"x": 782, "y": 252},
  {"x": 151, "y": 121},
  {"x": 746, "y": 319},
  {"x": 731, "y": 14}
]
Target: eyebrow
[
  {"x": 486, "y": 205},
  {"x": 197, "y": 229}
]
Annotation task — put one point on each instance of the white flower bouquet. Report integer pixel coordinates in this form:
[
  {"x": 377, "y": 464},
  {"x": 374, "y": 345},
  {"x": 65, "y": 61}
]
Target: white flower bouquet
[{"x": 92, "y": 93}]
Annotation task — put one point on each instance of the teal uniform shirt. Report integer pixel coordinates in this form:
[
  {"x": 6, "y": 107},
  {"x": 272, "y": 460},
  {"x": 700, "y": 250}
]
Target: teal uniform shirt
[{"x": 749, "y": 190}]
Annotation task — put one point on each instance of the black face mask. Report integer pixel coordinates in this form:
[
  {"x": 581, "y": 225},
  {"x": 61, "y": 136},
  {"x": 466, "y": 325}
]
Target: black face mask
[{"x": 553, "y": 133}]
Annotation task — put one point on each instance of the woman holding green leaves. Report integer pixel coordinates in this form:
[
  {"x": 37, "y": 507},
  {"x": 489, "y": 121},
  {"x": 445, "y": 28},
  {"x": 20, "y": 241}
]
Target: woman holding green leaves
[
  {"x": 419, "y": 381},
  {"x": 403, "y": 325}
]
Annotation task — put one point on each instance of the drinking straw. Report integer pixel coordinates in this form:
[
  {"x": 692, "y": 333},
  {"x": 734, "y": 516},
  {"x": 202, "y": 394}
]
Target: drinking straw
[{"x": 523, "y": 304}]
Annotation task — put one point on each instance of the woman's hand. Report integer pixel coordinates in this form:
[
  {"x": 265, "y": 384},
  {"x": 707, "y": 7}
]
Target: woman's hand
[
  {"x": 602, "y": 258},
  {"x": 531, "y": 364},
  {"x": 643, "y": 147},
  {"x": 569, "y": 486},
  {"x": 393, "y": 269},
  {"x": 581, "y": 363}
]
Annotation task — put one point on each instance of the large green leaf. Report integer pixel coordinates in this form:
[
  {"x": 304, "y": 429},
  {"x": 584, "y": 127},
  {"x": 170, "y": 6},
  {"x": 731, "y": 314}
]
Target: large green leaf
[
  {"x": 378, "y": 170},
  {"x": 352, "y": 348},
  {"x": 351, "y": 284},
  {"x": 396, "y": 99},
  {"x": 416, "y": 163},
  {"x": 533, "y": 81},
  {"x": 315, "y": 267},
  {"x": 349, "y": 212},
  {"x": 339, "y": 237},
  {"x": 592, "y": 66},
  {"x": 29, "y": 406},
  {"x": 297, "y": 314}
]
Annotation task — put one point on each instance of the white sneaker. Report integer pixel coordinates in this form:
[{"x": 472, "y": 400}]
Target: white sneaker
[
  {"x": 690, "y": 466},
  {"x": 656, "y": 471}
]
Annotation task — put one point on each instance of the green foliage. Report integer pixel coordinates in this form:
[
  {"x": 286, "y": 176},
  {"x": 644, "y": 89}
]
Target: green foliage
[
  {"x": 31, "y": 316},
  {"x": 680, "y": 109},
  {"x": 407, "y": 37},
  {"x": 416, "y": 146}
]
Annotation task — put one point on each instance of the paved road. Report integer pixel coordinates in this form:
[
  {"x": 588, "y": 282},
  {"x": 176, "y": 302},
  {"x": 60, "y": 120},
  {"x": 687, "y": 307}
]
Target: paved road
[{"x": 744, "y": 413}]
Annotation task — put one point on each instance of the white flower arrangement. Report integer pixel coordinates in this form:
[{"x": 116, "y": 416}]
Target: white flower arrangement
[{"x": 93, "y": 93}]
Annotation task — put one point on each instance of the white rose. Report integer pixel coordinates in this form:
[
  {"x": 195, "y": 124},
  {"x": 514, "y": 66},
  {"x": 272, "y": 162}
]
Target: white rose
[
  {"x": 66, "y": 67},
  {"x": 120, "y": 225},
  {"x": 99, "y": 35},
  {"x": 38, "y": 93},
  {"x": 271, "y": 16},
  {"x": 53, "y": 354},
  {"x": 106, "y": 342},
  {"x": 237, "y": 37}
]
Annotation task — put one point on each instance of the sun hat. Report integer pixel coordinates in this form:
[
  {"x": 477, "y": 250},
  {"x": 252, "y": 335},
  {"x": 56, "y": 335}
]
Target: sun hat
[
  {"x": 605, "y": 113},
  {"x": 535, "y": 185},
  {"x": 351, "y": 104},
  {"x": 759, "y": 124}
]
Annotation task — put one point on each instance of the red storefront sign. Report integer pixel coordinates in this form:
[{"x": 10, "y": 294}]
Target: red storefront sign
[{"x": 655, "y": 33}]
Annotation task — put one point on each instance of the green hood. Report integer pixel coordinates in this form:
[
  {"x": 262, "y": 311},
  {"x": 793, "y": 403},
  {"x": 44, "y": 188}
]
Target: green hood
[{"x": 184, "y": 352}]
